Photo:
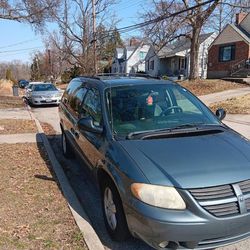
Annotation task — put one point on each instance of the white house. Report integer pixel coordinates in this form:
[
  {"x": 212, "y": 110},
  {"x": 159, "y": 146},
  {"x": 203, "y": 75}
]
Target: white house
[
  {"x": 174, "y": 59},
  {"x": 131, "y": 60}
]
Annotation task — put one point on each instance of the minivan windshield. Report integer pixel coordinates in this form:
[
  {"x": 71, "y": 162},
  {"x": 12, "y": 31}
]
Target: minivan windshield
[{"x": 153, "y": 107}]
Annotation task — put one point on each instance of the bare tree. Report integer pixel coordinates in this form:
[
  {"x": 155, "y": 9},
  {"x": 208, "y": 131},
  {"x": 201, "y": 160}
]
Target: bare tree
[
  {"x": 225, "y": 13},
  {"x": 75, "y": 36},
  {"x": 34, "y": 12},
  {"x": 18, "y": 69}
]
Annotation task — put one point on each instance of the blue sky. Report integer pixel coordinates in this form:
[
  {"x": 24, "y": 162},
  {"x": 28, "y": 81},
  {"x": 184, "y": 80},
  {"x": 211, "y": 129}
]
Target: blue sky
[{"x": 18, "y": 40}]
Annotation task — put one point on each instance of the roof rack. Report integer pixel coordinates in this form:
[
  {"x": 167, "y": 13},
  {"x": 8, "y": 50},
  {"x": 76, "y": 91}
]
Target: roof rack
[{"x": 107, "y": 75}]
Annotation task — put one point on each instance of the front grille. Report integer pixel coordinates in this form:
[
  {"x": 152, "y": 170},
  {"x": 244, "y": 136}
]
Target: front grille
[
  {"x": 245, "y": 186},
  {"x": 226, "y": 200}
]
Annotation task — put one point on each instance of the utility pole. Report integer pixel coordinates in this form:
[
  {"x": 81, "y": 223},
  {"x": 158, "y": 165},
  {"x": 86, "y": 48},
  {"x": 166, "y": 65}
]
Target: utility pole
[{"x": 94, "y": 36}]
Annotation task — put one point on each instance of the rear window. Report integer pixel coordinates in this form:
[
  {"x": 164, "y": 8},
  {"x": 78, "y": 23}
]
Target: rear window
[{"x": 44, "y": 87}]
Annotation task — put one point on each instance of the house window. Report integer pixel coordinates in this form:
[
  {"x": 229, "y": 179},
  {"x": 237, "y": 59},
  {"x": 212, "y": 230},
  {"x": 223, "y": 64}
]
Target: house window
[
  {"x": 142, "y": 55},
  {"x": 152, "y": 65},
  {"x": 227, "y": 53}
]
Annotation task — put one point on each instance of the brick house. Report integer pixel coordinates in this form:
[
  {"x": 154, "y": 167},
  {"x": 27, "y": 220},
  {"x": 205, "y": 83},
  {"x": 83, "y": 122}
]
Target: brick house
[{"x": 229, "y": 53}]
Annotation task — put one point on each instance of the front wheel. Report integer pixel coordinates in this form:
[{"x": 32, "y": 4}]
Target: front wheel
[{"x": 114, "y": 217}]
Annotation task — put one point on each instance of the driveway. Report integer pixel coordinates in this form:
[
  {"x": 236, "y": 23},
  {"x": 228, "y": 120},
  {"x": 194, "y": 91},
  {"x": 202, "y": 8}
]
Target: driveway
[
  {"x": 48, "y": 114},
  {"x": 88, "y": 194}
]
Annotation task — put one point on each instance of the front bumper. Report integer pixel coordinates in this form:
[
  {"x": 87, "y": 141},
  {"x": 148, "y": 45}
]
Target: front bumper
[
  {"x": 184, "y": 229},
  {"x": 45, "y": 101}
]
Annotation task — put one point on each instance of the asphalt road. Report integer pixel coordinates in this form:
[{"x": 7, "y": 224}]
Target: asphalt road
[{"x": 88, "y": 193}]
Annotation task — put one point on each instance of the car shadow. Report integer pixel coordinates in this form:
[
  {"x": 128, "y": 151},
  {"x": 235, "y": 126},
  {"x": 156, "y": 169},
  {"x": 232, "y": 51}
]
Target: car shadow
[{"x": 87, "y": 192}]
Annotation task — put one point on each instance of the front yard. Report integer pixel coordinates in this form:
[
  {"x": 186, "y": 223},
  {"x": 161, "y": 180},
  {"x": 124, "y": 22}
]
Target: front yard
[
  {"x": 17, "y": 126},
  {"x": 33, "y": 212},
  {"x": 209, "y": 86},
  {"x": 239, "y": 105},
  {"x": 11, "y": 102}
]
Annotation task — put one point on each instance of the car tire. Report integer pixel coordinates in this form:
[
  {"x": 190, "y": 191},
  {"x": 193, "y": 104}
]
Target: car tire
[
  {"x": 66, "y": 147},
  {"x": 113, "y": 213}
]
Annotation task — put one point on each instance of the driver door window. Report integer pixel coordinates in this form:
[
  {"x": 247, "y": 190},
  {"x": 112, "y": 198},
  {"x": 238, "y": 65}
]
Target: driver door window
[{"x": 92, "y": 106}]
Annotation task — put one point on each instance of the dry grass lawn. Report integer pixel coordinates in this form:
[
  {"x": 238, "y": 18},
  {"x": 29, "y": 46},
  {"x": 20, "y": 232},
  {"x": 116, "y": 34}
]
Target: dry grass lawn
[
  {"x": 208, "y": 86},
  {"x": 48, "y": 129},
  {"x": 33, "y": 212},
  {"x": 7, "y": 102},
  {"x": 14, "y": 126},
  {"x": 239, "y": 105},
  {"x": 5, "y": 87}
]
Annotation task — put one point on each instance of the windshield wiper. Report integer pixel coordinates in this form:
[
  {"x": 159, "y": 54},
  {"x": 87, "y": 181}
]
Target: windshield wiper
[
  {"x": 164, "y": 130},
  {"x": 187, "y": 125},
  {"x": 146, "y": 132}
]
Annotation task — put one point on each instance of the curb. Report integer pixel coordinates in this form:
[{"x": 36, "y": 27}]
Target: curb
[{"x": 83, "y": 222}]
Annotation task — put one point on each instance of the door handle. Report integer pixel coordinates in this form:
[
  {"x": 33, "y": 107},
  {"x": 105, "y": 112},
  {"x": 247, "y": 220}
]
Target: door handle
[{"x": 74, "y": 133}]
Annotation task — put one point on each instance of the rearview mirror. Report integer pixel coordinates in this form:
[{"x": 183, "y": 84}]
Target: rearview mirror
[
  {"x": 220, "y": 113},
  {"x": 87, "y": 124}
]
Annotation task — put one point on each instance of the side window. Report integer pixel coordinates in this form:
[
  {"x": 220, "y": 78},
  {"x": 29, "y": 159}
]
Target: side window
[
  {"x": 76, "y": 100},
  {"x": 92, "y": 106},
  {"x": 73, "y": 85}
]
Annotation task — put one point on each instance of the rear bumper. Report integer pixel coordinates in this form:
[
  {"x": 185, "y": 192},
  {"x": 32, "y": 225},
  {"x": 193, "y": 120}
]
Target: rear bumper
[
  {"x": 44, "y": 101},
  {"x": 185, "y": 229}
]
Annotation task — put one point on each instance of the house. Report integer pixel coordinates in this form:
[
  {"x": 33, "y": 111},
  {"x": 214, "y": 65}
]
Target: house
[
  {"x": 130, "y": 59},
  {"x": 229, "y": 53},
  {"x": 173, "y": 60},
  {"x": 117, "y": 60}
]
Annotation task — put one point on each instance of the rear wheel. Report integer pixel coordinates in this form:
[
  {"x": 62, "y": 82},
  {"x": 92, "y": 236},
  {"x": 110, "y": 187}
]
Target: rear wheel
[
  {"x": 114, "y": 217},
  {"x": 66, "y": 147}
]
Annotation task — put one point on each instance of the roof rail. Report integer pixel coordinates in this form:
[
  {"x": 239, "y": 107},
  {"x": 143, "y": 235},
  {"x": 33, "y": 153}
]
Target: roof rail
[{"x": 101, "y": 75}]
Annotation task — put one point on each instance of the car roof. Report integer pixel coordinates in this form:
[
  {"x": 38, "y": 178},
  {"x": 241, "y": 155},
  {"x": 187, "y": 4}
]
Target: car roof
[{"x": 115, "y": 81}]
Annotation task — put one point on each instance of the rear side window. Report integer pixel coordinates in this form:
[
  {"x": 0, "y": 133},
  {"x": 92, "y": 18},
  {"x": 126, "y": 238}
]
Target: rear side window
[
  {"x": 73, "y": 85},
  {"x": 76, "y": 100}
]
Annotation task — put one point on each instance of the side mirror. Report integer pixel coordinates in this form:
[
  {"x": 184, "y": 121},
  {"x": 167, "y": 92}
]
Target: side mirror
[
  {"x": 88, "y": 125},
  {"x": 220, "y": 113}
]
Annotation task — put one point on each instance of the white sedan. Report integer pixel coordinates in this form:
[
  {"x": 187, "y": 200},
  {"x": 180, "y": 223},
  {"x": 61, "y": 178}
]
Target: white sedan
[{"x": 43, "y": 93}]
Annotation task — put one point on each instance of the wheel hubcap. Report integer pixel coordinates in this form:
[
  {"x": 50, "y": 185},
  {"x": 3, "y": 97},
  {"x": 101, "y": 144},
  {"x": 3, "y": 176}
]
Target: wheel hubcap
[{"x": 110, "y": 208}]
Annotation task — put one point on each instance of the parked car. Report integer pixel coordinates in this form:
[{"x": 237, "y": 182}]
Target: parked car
[
  {"x": 43, "y": 93},
  {"x": 169, "y": 171},
  {"x": 23, "y": 83}
]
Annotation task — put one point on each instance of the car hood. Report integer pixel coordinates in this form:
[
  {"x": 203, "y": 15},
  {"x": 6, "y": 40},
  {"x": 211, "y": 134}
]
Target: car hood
[{"x": 192, "y": 161}]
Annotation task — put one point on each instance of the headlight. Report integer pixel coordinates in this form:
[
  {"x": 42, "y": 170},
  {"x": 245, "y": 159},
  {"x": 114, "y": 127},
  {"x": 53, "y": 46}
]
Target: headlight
[
  {"x": 37, "y": 96},
  {"x": 58, "y": 95},
  {"x": 158, "y": 196}
]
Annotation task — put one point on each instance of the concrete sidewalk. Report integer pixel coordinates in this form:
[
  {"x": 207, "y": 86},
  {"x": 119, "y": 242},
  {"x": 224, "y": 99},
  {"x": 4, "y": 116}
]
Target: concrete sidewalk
[
  {"x": 20, "y": 138},
  {"x": 15, "y": 113},
  {"x": 240, "y": 123},
  {"x": 222, "y": 96}
]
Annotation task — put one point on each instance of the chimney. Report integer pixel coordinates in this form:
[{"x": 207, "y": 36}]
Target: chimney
[
  {"x": 239, "y": 17},
  {"x": 134, "y": 42}
]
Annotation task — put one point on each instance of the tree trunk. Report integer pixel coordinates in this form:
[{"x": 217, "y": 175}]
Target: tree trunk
[{"x": 194, "y": 54}]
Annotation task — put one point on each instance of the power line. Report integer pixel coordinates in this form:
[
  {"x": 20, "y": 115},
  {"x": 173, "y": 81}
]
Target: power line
[
  {"x": 19, "y": 43},
  {"x": 158, "y": 19},
  {"x": 17, "y": 50}
]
